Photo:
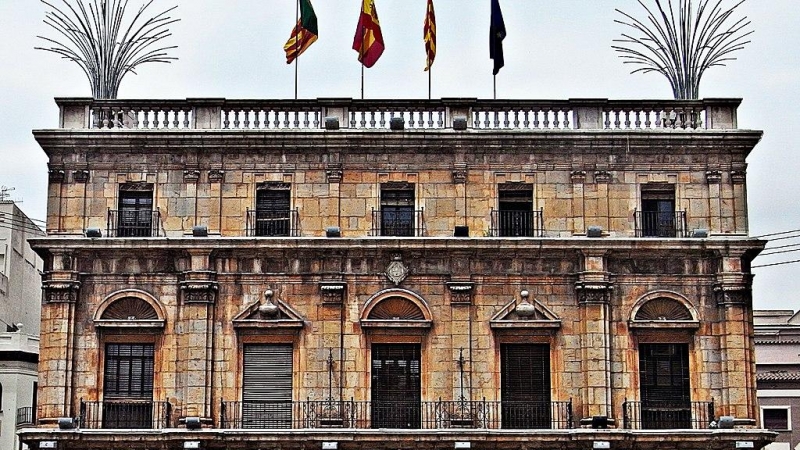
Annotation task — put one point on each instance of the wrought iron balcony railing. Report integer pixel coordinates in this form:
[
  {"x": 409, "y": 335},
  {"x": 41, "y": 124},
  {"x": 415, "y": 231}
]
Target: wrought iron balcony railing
[
  {"x": 398, "y": 222},
  {"x": 664, "y": 415},
  {"x": 660, "y": 224},
  {"x": 26, "y": 416},
  {"x": 125, "y": 414},
  {"x": 440, "y": 414},
  {"x": 272, "y": 222},
  {"x": 516, "y": 223},
  {"x": 133, "y": 223}
]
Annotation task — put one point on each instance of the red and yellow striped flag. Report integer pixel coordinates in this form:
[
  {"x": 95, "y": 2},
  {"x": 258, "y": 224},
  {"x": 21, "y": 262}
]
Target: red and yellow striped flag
[
  {"x": 429, "y": 36},
  {"x": 304, "y": 33},
  {"x": 368, "y": 41}
]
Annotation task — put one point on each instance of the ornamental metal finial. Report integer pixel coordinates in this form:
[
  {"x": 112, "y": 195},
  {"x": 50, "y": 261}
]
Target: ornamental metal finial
[
  {"x": 681, "y": 42},
  {"x": 105, "y": 46}
]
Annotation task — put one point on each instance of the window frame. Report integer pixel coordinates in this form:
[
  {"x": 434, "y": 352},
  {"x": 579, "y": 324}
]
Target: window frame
[{"x": 786, "y": 408}]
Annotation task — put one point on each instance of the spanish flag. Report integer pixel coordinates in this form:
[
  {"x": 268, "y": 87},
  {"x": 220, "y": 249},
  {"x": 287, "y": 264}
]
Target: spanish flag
[
  {"x": 368, "y": 41},
  {"x": 304, "y": 33},
  {"x": 429, "y": 36}
]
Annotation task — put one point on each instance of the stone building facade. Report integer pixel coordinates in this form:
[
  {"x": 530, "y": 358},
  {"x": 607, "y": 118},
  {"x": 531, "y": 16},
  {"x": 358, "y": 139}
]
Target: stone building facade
[{"x": 351, "y": 274}]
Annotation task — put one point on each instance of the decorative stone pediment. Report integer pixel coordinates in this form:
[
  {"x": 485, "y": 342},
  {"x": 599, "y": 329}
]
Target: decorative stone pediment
[
  {"x": 396, "y": 308},
  {"x": 130, "y": 308},
  {"x": 268, "y": 314},
  {"x": 664, "y": 310},
  {"x": 525, "y": 314}
]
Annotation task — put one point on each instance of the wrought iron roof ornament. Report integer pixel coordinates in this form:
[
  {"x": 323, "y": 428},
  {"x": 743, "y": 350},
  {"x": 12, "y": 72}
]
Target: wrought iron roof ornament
[
  {"x": 95, "y": 37},
  {"x": 681, "y": 42}
]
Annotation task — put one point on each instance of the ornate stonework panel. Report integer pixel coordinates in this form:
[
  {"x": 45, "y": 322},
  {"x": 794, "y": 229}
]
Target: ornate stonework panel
[
  {"x": 130, "y": 308},
  {"x": 396, "y": 272}
]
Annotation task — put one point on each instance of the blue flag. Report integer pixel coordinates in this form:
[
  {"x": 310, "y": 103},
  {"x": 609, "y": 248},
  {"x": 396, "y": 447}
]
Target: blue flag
[{"x": 497, "y": 32}]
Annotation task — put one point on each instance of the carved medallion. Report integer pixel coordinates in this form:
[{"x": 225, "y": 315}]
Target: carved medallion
[{"x": 396, "y": 272}]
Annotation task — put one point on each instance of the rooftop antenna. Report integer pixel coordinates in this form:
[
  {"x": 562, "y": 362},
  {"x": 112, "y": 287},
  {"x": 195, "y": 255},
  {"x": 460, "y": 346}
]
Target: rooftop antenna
[{"x": 4, "y": 193}]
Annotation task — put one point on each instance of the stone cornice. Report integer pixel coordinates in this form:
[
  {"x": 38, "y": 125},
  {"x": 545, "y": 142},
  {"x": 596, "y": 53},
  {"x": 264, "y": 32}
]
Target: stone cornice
[
  {"x": 503, "y": 140},
  {"x": 555, "y": 246}
]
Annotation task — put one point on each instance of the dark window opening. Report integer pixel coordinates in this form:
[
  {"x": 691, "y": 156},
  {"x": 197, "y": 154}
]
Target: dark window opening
[
  {"x": 135, "y": 213},
  {"x": 396, "y": 391},
  {"x": 397, "y": 210},
  {"x": 664, "y": 380},
  {"x": 776, "y": 418},
  {"x": 515, "y": 216},
  {"x": 525, "y": 386},
  {"x": 273, "y": 211},
  {"x": 128, "y": 386},
  {"x": 658, "y": 217}
]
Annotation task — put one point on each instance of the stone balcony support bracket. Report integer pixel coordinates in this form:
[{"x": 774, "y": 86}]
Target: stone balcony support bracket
[
  {"x": 332, "y": 292},
  {"x": 461, "y": 292}
]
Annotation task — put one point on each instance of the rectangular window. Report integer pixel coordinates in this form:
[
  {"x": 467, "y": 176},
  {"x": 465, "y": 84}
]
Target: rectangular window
[
  {"x": 664, "y": 381},
  {"x": 525, "y": 386},
  {"x": 397, "y": 215},
  {"x": 658, "y": 217},
  {"x": 128, "y": 386},
  {"x": 273, "y": 210},
  {"x": 515, "y": 214},
  {"x": 396, "y": 388},
  {"x": 776, "y": 418},
  {"x": 267, "y": 386},
  {"x": 135, "y": 215}
]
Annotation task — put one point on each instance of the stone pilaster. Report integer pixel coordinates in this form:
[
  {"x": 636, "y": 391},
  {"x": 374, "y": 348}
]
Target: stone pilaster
[
  {"x": 732, "y": 291},
  {"x": 198, "y": 297},
  {"x": 593, "y": 291},
  {"x": 56, "y": 346}
]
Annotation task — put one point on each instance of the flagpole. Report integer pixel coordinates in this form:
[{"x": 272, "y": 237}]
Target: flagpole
[
  {"x": 296, "y": 41},
  {"x": 494, "y": 86},
  {"x": 430, "y": 69},
  {"x": 361, "y": 54}
]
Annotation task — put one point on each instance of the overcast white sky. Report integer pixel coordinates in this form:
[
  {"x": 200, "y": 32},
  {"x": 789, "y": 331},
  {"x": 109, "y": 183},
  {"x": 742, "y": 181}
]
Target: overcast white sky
[{"x": 554, "y": 50}]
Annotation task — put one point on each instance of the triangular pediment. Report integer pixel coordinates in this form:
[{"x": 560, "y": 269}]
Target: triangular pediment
[
  {"x": 271, "y": 314},
  {"x": 541, "y": 317}
]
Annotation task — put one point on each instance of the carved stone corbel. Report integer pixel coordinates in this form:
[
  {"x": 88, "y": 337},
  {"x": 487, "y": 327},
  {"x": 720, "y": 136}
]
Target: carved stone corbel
[{"x": 460, "y": 292}]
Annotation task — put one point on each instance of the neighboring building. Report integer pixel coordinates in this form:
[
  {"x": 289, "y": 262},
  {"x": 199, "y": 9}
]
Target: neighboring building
[
  {"x": 778, "y": 372},
  {"x": 20, "y": 304},
  {"x": 20, "y": 270},
  {"x": 284, "y": 274}
]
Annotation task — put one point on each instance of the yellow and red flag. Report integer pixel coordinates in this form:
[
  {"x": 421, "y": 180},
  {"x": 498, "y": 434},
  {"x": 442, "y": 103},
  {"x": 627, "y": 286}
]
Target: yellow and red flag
[
  {"x": 368, "y": 41},
  {"x": 304, "y": 33},
  {"x": 429, "y": 36}
]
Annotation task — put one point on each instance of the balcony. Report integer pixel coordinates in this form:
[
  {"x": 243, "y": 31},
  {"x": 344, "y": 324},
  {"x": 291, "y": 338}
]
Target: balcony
[
  {"x": 272, "y": 223},
  {"x": 26, "y": 417},
  {"x": 133, "y": 223},
  {"x": 516, "y": 224},
  {"x": 125, "y": 414},
  {"x": 573, "y": 114},
  {"x": 440, "y": 414},
  {"x": 660, "y": 224},
  {"x": 398, "y": 222},
  {"x": 664, "y": 415}
]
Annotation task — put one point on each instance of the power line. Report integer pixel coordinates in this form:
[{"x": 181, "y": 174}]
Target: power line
[
  {"x": 776, "y": 264},
  {"x": 29, "y": 218},
  {"x": 18, "y": 221},
  {"x": 780, "y": 252},
  {"x": 776, "y": 234}
]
